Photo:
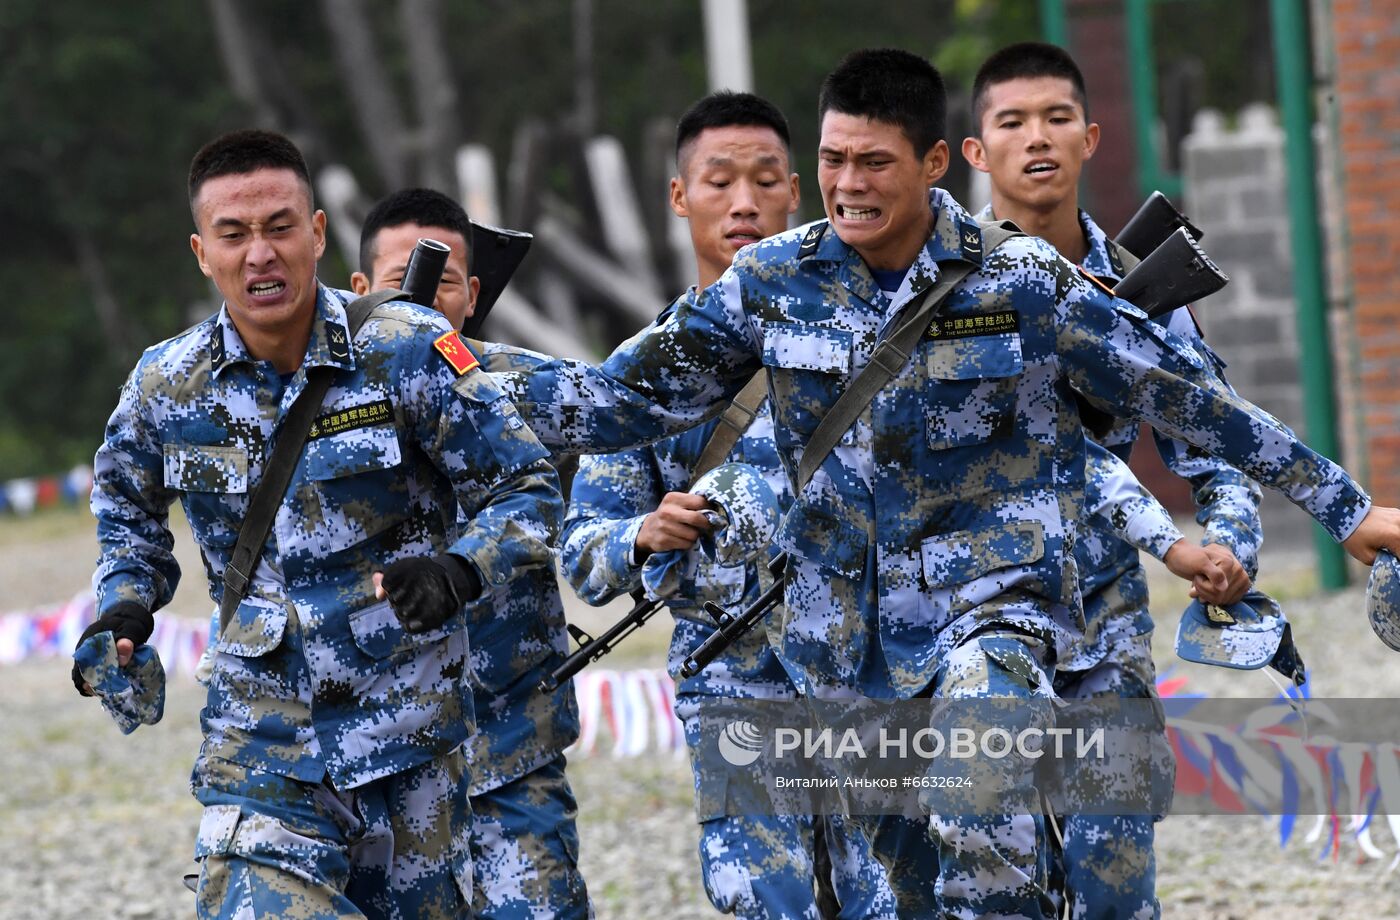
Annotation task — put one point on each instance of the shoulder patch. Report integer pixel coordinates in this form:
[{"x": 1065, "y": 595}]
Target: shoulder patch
[
  {"x": 813, "y": 239},
  {"x": 457, "y": 355},
  {"x": 970, "y": 241},
  {"x": 1098, "y": 282}
]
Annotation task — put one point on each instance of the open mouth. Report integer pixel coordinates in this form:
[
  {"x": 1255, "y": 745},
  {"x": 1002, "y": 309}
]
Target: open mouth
[
  {"x": 1040, "y": 169},
  {"x": 267, "y": 288},
  {"x": 743, "y": 236},
  {"x": 846, "y": 212}
]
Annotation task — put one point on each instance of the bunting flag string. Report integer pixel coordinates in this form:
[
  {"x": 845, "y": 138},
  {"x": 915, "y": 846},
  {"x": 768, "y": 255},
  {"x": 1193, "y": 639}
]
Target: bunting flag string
[{"x": 23, "y": 496}]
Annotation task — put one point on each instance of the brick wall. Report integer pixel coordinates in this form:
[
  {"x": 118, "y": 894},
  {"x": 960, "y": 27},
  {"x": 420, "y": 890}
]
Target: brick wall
[{"x": 1366, "y": 45}]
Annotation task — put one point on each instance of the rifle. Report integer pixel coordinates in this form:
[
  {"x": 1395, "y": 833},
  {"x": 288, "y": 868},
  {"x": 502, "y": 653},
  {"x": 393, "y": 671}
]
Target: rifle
[
  {"x": 732, "y": 627},
  {"x": 1174, "y": 274},
  {"x": 496, "y": 254},
  {"x": 1154, "y": 221},
  {"x": 590, "y": 649},
  {"x": 424, "y": 271}
]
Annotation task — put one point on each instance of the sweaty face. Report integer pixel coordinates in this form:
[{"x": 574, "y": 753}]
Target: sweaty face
[
  {"x": 259, "y": 242},
  {"x": 456, "y": 294},
  {"x": 875, "y": 187},
  {"x": 1034, "y": 142},
  {"x": 735, "y": 189}
]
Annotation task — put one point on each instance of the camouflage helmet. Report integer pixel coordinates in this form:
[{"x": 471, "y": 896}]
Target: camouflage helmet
[
  {"x": 1247, "y": 635},
  {"x": 1383, "y": 598},
  {"x": 133, "y": 695}
]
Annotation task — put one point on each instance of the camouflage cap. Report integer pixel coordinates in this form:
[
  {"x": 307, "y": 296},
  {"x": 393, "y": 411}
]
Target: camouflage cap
[
  {"x": 133, "y": 695},
  {"x": 1383, "y": 598},
  {"x": 1246, "y": 635},
  {"x": 748, "y": 513}
]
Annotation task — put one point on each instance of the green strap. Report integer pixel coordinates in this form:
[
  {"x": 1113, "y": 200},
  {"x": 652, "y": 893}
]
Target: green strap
[
  {"x": 889, "y": 357},
  {"x": 262, "y": 507},
  {"x": 735, "y": 420}
]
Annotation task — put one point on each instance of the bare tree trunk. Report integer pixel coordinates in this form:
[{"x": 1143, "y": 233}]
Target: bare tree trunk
[
  {"x": 376, "y": 110},
  {"x": 586, "y": 96},
  {"x": 434, "y": 93},
  {"x": 238, "y": 50},
  {"x": 116, "y": 327}
]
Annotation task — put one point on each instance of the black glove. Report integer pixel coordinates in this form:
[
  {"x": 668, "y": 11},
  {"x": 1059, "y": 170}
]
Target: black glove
[
  {"x": 425, "y": 592},
  {"x": 126, "y": 620}
]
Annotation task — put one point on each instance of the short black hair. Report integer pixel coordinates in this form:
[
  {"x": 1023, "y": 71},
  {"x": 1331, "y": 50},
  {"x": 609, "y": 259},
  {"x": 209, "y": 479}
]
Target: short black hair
[
  {"x": 1025, "y": 61},
  {"x": 725, "y": 109},
  {"x": 892, "y": 86},
  {"x": 422, "y": 206},
  {"x": 245, "y": 151}
]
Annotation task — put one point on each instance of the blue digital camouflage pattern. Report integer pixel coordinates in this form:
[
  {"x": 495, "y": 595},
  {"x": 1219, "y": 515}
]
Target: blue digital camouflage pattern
[
  {"x": 1383, "y": 599},
  {"x": 133, "y": 695},
  {"x": 953, "y": 503},
  {"x": 525, "y": 849},
  {"x": 753, "y": 865},
  {"x": 313, "y": 677},
  {"x": 1244, "y": 635},
  {"x": 393, "y": 848}
]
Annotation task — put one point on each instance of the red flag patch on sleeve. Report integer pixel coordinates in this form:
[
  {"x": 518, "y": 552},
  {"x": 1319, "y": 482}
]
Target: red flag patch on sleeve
[{"x": 450, "y": 346}]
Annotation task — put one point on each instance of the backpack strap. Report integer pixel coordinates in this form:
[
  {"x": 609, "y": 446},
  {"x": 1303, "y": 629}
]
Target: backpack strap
[
  {"x": 262, "y": 507},
  {"x": 735, "y": 420},
  {"x": 890, "y": 356}
]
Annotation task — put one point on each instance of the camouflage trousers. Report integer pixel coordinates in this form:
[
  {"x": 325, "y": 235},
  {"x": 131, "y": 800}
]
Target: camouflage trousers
[
  {"x": 524, "y": 848},
  {"x": 974, "y": 866},
  {"x": 1106, "y": 868},
  {"x": 394, "y": 848}
]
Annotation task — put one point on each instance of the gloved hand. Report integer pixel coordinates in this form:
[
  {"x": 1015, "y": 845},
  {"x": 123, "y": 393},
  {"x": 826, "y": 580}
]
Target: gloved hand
[
  {"x": 425, "y": 592},
  {"x": 126, "y": 620}
]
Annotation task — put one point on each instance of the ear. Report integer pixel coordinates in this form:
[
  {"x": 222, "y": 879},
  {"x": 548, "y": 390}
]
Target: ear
[
  {"x": 936, "y": 162},
  {"x": 795, "y": 187},
  {"x": 473, "y": 288},
  {"x": 359, "y": 283},
  {"x": 1091, "y": 139},
  {"x": 975, "y": 154},
  {"x": 197, "y": 246},
  {"x": 678, "y": 197},
  {"x": 318, "y": 229}
]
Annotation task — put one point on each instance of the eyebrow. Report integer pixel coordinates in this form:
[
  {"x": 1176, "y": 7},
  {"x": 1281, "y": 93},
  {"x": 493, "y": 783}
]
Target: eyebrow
[
  {"x": 1057, "y": 107},
  {"x": 769, "y": 159},
  {"x": 866, "y": 154},
  {"x": 235, "y": 222}
]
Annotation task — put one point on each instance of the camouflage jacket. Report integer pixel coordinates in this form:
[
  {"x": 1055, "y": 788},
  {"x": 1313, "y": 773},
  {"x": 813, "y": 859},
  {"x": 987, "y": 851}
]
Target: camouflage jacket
[
  {"x": 517, "y": 727},
  {"x": 954, "y": 501},
  {"x": 313, "y": 676},
  {"x": 613, "y": 493}
]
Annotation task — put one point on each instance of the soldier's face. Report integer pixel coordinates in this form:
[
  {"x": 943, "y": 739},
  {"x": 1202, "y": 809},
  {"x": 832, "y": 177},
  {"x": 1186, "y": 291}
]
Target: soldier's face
[
  {"x": 456, "y": 293},
  {"x": 735, "y": 188},
  {"x": 1034, "y": 142},
  {"x": 259, "y": 242},
  {"x": 875, "y": 187}
]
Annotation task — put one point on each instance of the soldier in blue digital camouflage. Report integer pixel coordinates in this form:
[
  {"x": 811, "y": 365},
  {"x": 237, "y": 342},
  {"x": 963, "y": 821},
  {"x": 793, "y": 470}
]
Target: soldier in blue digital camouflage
[
  {"x": 523, "y": 835},
  {"x": 931, "y": 551},
  {"x": 1033, "y": 134},
  {"x": 734, "y": 186},
  {"x": 332, "y": 770}
]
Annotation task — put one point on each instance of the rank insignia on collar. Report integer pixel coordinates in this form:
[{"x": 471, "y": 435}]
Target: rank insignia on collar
[
  {"x": 1099, "y": 282},
  {"x": 1114, "y": 262},
  {"x": 450, "y": 346},
  {"x": 970, "y": 239},
  {"x": 812, "y": 240},
  {"x": 338, "y": 340},
  {"x": 216, "y": 347}
]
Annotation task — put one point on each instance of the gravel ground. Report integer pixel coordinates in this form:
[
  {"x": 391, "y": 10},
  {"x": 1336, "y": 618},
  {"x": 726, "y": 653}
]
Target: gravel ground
[{"x": 96, "y": 824}]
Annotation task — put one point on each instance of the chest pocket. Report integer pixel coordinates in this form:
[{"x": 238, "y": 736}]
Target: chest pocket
[
  {"x": 971, "y": 390},
  {"x": 359, "y": 481},
  {"x": 213, "y": 482},
  {"x": 809, "y": 367}
]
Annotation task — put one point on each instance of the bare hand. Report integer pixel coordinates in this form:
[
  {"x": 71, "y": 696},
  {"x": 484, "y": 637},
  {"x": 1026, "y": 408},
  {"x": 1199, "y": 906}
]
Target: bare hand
[
  {"x": 675, "y": 524},
  {"x": 1192, "y": 563},
  {"x": 1238, "y": 579},
  {"x": 1378, "y": 530}
]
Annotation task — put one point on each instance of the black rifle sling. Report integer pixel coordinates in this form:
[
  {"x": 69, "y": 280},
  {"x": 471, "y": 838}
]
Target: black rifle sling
[
  {"x": 262, "y": 507},
  {"x": 889, "y": 358},
  {"x": 735, "y": 420}
]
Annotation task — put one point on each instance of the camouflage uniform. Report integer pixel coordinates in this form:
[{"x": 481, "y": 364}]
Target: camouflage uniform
[
  {"x": 524, "y": 840},
  {"x": 753, "y": 865},
  {"x": 331, "y": 767},
  {"x": 1109, "y": 866},
  {"x": 931, "y": 552}
]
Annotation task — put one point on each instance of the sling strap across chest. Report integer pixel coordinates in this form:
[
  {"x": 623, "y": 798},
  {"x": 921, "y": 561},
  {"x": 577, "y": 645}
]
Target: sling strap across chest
[{"x": 282, "y": 463}]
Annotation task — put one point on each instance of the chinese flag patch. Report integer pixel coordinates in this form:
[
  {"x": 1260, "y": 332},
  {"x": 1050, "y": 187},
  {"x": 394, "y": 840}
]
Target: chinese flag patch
[{"x": 450, "y": 346}]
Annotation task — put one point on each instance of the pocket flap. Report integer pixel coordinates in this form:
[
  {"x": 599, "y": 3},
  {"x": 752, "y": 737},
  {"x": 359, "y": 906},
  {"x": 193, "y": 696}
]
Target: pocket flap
[
  {"x": 217, "y": 826},
  {"x": 352, "y": 452},
  {"x": 205, "y": 468},
  {"x": 807, "y": 348},
  {"x": 378, "y": 633},
  {"x": 254, "y": 630},
  {"x": 824, "y": 539},
  {"x": 975, "y": 357},
  {"x": 958, "y": 558}
]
